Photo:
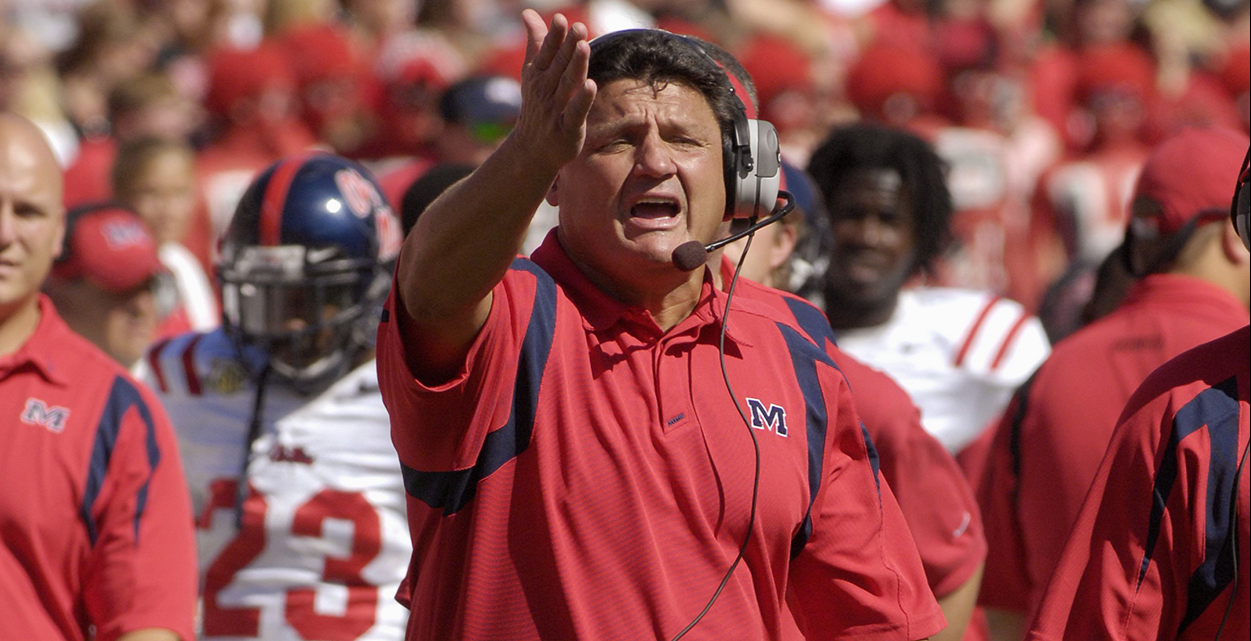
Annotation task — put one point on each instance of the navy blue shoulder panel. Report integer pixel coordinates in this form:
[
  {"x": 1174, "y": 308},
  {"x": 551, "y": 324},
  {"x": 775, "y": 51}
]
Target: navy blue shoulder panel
[
  {"x": 804, "y": 358},
  {"x": 451, "y": 491},
  {"x": 811, "y": 320},
  {"x": 122, "y": 396},
  {"x": 1216, "y": 409}
]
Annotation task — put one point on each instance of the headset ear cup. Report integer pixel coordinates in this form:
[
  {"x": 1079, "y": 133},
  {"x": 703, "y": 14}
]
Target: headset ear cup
[{"x": 756, "y": 189}]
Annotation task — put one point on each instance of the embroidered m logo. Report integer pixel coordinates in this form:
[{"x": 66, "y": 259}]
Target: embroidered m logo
[
  {"x": 38, "y": 413},
  {"x": 772, "y": 418}
]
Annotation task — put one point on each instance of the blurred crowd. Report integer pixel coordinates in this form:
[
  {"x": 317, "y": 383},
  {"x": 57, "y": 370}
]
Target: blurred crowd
[
  {"x": 1043, "y": 111},
  {"x": 1040, "y": 116}
]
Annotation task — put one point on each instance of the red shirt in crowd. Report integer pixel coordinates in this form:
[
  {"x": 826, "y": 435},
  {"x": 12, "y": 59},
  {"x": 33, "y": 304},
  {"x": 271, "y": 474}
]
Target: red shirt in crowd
[
  {"x": 1151, "y": 554},
  {"x": 1055, "y": 431},
  {"x": 936, "y": 500},
  {"x": 586, "y": 476},
  {"x": 95, "y": 519}
]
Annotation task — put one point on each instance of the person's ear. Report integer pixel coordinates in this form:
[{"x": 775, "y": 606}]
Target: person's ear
[
  {"x": 783, "y": 245},
  {"x": 59, "y": 247},
  {"x": 553, "y": 192},
  {"x": 1231, "y": 245}
]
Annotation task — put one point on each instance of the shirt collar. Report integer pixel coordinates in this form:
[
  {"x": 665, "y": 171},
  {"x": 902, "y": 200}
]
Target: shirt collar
[
  {"x": 1186, "y": 290},
  {"x": 44, "y": 349},
  {"x": 601, "y": 311}
]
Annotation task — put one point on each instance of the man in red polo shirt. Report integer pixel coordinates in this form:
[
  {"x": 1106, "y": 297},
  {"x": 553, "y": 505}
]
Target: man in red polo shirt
[
  {"x": 936, "y": 500},
  {"x": 95, "y": 521},
  {"x": 1056, "y": 430},
  {"x": 1166, "y": 557},
  {"x": 575, "y": 463}
]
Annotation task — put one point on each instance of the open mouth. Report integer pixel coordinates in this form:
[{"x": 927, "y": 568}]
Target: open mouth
[{"x": 652, "y": 208}]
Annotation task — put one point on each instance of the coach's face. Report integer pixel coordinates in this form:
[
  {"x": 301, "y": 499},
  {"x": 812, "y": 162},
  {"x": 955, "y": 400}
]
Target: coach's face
[
  {"x": 649, "y": 178},
  {"x": 32, "y": 221}
]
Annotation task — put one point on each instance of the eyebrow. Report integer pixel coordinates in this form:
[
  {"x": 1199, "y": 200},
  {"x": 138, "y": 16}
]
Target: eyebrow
[{"x": 628, "y": 123}]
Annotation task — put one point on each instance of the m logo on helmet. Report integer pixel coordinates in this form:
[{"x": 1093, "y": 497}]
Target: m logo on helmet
[
  {"x": 37, "y": 412},
  {"x": 359, "y": 194},
  {"x": 772, "y": 418}
]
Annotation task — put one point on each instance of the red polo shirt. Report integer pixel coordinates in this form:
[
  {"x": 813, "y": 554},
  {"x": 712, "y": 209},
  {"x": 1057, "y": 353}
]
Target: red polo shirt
[
  {"x": 95, "y": 520},
  {"x": 1056, "y": 429},
  {"x": 936, "y": 500},
  {"x": 587, "y": 476},
  {"x": 1151, "y": 555}
]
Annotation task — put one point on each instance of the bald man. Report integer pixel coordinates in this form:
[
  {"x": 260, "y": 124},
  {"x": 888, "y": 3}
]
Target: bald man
[{"x": 95, "y": 522}]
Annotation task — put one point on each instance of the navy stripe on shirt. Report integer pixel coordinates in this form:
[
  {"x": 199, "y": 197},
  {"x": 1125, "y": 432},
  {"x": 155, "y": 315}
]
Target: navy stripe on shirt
[
  {"x": 451, "y": 491},
  {"x": 817, "y": 327},
  {"x": 122, "y": 397},
  {"x": 811, "y": 320},
  {"x": 804, "y": 357},
  {"x": 1215, "y": 408}
]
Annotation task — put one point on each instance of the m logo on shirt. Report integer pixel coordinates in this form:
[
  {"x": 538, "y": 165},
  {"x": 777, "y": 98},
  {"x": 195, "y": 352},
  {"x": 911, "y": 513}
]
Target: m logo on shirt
[
  {"x": 772, "y": 418},
  {"x": 37, "y": 412}
]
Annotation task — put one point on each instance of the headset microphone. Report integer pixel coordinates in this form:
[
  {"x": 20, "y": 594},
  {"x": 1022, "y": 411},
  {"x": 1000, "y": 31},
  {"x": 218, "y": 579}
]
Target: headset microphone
[{"x": 690, "y": 255}]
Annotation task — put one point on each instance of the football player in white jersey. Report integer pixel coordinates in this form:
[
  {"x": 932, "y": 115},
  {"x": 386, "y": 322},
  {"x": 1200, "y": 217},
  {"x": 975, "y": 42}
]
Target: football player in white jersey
[
  {"x": 959, "y": 353},
  {"x": 286, "y": 443}
]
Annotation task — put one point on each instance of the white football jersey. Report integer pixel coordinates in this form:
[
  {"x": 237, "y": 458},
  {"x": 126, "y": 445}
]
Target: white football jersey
[
  {"x": 960, "y": 354},
  {"x": 321, "y": 542}
]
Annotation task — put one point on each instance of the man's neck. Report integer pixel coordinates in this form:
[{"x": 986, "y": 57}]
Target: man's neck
[
  {"x": 669, "y": 297},
  {"x": 18, "y": 325},
  {"x": 844, "y": 315},
  {"x": 668, "y": 308}
]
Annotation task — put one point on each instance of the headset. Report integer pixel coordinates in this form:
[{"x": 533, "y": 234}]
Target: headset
[{"x": 750, "y": 149}]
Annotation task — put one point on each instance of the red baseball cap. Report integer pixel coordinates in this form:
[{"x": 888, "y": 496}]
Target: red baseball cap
[
  {"x": 110, "y": 246},
  {"x": 883, "y": 71},
  {"x": 1192, "y": 172}
]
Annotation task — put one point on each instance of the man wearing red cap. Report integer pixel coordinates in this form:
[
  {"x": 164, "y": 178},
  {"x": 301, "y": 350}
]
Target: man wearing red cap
[
  {"x": 95, "y": 520},
  {"x": 1166, "y": 557},
  {"x": 252, "y": 98},
  {"x": 105, "y": 284},
  {"x": 1194, "y": 287}
]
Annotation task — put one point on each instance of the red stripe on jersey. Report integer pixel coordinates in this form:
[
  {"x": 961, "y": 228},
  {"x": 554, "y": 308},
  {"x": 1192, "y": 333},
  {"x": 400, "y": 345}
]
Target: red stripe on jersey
[
  {"x": 188, "y": 366},
  {"x": 977, "y": 324},
  {"x": 154, "y": 360},
  {"x": 275, "y": 199},
  {"x": 1007, "y": 341}
]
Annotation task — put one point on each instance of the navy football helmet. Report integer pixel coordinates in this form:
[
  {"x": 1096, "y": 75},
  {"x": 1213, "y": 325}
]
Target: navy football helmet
[{"x": 306, "y": 263}]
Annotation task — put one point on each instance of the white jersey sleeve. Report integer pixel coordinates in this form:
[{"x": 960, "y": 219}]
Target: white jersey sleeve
[
  {"x": 315, "y": 542},
  {"x": 990, "y": 337},
  {"x": 959, "y": 354}
]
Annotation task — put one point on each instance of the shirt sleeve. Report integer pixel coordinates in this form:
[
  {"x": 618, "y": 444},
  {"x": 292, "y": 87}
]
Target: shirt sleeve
[
  {"x": 474, "y": 401},
  {"x": 933, "y": 495},
  {"x": 142, "y": 569},
  {"x": 1134, "y": 565},
  {"x": 1005, "y": 583},
  {"x": 859, "y": 575}
]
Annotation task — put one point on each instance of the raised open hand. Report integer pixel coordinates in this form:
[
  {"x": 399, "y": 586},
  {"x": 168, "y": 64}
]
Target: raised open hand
[{"x": 556, "y": 94}]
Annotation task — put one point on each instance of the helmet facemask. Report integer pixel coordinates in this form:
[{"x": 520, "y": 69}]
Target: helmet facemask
[{"x": 306, "y": 307}]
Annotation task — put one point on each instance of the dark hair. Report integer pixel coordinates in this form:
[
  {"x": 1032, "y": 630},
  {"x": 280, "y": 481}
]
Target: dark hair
[
  {"x": 732, "y": 66},
  {"x": 426, "y": 188},
  {"x": 658, "y": 57},
  {"x": 868, "y": 146}
]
